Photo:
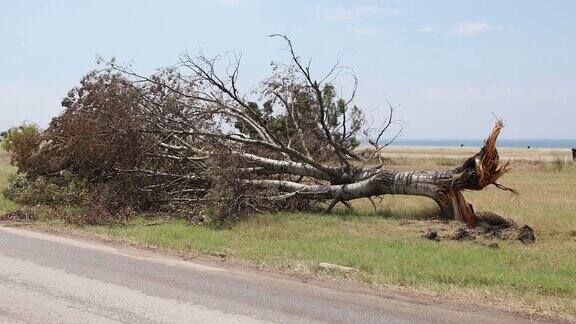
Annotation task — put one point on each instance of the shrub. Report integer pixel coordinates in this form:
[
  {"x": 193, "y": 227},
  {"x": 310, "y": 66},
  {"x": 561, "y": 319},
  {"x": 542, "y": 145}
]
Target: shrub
[
  {"x": 63, "y": 190},
  {"x": 23, "y": 142}
]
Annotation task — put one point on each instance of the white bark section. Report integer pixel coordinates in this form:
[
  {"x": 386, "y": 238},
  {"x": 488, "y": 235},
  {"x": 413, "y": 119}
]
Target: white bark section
[
  {"x": 383, "y": 183},
  {"x": 289, "y": 167}
]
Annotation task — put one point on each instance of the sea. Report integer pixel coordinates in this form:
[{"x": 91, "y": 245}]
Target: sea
[{"x": 518, "y": 143}]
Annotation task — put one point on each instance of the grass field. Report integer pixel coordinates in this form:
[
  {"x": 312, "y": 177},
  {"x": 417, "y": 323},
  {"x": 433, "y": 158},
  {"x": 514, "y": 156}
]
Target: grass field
[
  {"x": 544, "y": 155},
  {"x": 387, "y": 248}
]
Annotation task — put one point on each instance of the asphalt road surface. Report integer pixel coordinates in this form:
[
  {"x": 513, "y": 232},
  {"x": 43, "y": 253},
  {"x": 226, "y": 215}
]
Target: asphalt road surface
[{"x": 46, "y": 278}]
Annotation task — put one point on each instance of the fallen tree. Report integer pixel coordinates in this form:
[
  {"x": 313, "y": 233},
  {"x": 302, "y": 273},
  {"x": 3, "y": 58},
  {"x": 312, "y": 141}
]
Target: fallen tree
[
  {"x": 296, "y": 137},
  {"x": 187, "y": 136}
]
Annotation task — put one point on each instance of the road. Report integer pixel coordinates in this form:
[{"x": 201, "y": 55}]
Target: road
[{"x": 48, "y": 278}]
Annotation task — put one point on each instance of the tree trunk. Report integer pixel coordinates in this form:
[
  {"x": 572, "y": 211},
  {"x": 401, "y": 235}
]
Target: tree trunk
[{"x": 444, "y": 187}]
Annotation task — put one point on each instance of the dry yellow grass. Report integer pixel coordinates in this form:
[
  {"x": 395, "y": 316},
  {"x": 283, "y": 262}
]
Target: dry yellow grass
[{"x": 464, "y": 152}]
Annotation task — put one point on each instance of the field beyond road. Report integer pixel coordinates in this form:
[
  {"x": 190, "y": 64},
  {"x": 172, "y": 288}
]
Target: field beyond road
[{"x": 387, "y": 246}]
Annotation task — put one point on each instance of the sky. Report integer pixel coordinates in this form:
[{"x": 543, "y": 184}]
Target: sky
[{"x": 450, "y": 66}]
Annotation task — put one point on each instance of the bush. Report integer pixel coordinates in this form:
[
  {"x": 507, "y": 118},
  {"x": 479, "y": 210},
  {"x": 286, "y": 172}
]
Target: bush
[
  {"x": 63, "y": 190},
  {"x": 18, "y": 136},
  {"x": 78, "y": 156},
  {"x": 23, "y": 142}
]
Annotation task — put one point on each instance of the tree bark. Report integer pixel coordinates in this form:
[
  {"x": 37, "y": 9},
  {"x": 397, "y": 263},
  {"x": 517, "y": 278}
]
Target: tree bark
[{"x": 444, "y": 187}]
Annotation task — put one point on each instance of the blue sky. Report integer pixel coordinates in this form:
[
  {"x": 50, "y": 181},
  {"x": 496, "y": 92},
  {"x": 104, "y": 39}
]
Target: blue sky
[{"x": 449, "y": 64}]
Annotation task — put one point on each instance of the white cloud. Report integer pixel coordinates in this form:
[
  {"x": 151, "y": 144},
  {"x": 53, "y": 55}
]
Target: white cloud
[
  {"x": 366, "y": 30},
  {"x": 228, "y": 2},
  {"x": 460, "y": 29},
  {"x": 471, "y": 28},
  {"x": 427, "y": 29},
  {"x": 341, "y": 14}
]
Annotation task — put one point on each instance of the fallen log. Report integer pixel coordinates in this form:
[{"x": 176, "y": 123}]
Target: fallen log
[
  {"x": 295, "y": 140},
  {"x": 444, "y": 187}
]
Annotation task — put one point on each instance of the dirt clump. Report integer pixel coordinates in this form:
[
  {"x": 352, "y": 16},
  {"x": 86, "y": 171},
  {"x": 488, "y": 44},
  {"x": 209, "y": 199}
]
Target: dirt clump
[
  {"x": 462, "y": 234},
  {"x": 526, "y": 235},
  {"x": 432, "y": 234},
  {"x": 490, "y": 227}
]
